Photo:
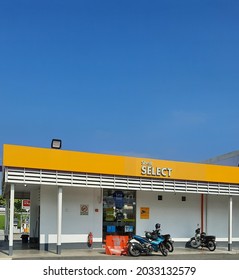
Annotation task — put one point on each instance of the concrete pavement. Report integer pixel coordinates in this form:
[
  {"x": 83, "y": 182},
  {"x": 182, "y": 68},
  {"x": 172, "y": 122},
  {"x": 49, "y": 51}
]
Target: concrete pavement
[
  {"x": 22, "y": 251},
  {"x": 99, "y": 253}
]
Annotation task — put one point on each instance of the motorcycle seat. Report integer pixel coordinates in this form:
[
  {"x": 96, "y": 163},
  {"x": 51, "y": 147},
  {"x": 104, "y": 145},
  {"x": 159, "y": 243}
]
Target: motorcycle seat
[{"x": 211, "y": 237}]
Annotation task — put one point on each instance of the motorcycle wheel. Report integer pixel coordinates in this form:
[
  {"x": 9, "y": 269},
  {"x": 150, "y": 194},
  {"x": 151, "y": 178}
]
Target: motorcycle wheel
[
  {"x": 169, "y": 246},
  {"x": 211, "y": 245},
  {"x": 194, "y": 243},
  {"x": 134, "y": 252},
  {"x": 163, "y": 250}
]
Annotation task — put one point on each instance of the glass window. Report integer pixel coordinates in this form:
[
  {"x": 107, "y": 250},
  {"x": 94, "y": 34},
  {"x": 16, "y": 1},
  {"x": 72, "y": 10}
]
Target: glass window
[{"x": 119, "y": 210}]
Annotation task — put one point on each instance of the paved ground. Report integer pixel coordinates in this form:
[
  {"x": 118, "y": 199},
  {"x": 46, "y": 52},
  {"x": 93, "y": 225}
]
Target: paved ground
[
  {"x": 99, "y": 254},
  {"x": 22, "y": 252}
]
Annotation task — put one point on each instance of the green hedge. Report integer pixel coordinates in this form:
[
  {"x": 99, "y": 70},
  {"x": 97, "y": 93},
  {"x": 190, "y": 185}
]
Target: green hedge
[{"x": 2, "y": 221}]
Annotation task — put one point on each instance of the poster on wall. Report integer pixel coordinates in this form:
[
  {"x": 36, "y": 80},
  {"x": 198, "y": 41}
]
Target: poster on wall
[
  {"x": 118, "y": 197},
  {"x": 84, "y": 209},
  {"x": 26, "y": 203},
  {"x": 144, "y": 212},
  {"x": 128, "y": 229},
  {"x": 109, "y": 214}
]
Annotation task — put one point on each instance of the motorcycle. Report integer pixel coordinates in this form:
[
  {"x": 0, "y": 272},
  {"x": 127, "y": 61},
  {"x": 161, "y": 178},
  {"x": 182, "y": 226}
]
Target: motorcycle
[
  {"x": 168, "y": 242},
  {"x": 146, "y": 245},
  {"x": 202, "y": 240}
]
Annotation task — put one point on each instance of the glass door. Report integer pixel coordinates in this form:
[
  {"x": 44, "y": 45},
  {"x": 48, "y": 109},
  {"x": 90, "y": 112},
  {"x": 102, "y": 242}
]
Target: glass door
[{"x": 119, "y": 212}]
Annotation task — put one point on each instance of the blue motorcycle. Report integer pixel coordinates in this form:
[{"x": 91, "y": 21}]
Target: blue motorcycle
[
  {"x": 146, "y": 245},
  {"x": 168, "y": 242}
]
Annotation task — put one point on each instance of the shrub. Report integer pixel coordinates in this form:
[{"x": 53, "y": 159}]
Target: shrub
[{"x": 2, "y": 221}]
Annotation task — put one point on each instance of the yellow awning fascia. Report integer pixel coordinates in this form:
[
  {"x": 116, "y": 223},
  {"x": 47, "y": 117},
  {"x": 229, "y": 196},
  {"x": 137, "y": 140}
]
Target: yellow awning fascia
[{"x": 83, "y": 162}]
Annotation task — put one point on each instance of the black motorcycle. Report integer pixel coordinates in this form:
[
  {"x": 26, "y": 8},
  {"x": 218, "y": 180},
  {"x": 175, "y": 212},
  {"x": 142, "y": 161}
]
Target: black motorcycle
[
  {"x": 202, "y": 240},
  {"x": 168, "y": 242}
]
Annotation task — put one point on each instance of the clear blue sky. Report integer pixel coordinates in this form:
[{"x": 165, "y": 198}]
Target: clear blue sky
[{"x": 156, "y": 79}]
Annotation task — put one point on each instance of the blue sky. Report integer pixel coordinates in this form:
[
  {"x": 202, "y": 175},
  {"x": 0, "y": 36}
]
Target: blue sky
[{"x": 156, "y": 79}]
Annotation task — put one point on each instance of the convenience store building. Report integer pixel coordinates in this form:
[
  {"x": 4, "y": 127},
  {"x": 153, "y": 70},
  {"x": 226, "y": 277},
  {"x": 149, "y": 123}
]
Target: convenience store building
[{"x": 74, "y": 193}]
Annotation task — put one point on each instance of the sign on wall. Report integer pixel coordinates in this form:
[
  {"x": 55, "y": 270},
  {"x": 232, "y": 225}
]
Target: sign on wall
[
  {"x": 26, "y": 203},
  {"x": 84, "y": 209},
  {"x": 144, "y": 212}
]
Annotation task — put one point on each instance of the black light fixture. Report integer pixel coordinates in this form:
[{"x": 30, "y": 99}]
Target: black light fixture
[{"x": 56, "y": 144}]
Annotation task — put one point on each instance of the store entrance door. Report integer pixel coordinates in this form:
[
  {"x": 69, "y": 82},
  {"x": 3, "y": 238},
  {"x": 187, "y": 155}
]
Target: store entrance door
[{"x": 119, "y": 212}]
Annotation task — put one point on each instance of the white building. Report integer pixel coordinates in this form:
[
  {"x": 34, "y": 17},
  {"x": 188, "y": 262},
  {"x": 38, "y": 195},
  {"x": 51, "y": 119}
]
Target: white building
[{"x": 75, "y": 193}]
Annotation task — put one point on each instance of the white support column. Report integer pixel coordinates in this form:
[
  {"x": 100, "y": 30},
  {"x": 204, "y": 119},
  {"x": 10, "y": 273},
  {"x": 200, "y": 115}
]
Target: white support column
[
  {"x": 6, "y": 228},
  {"x": 206, "y": 212},
  {"x": 12, "y": 193},
  {"x": 230, "y": 225},
  {"x": 59, "y": 220}
]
